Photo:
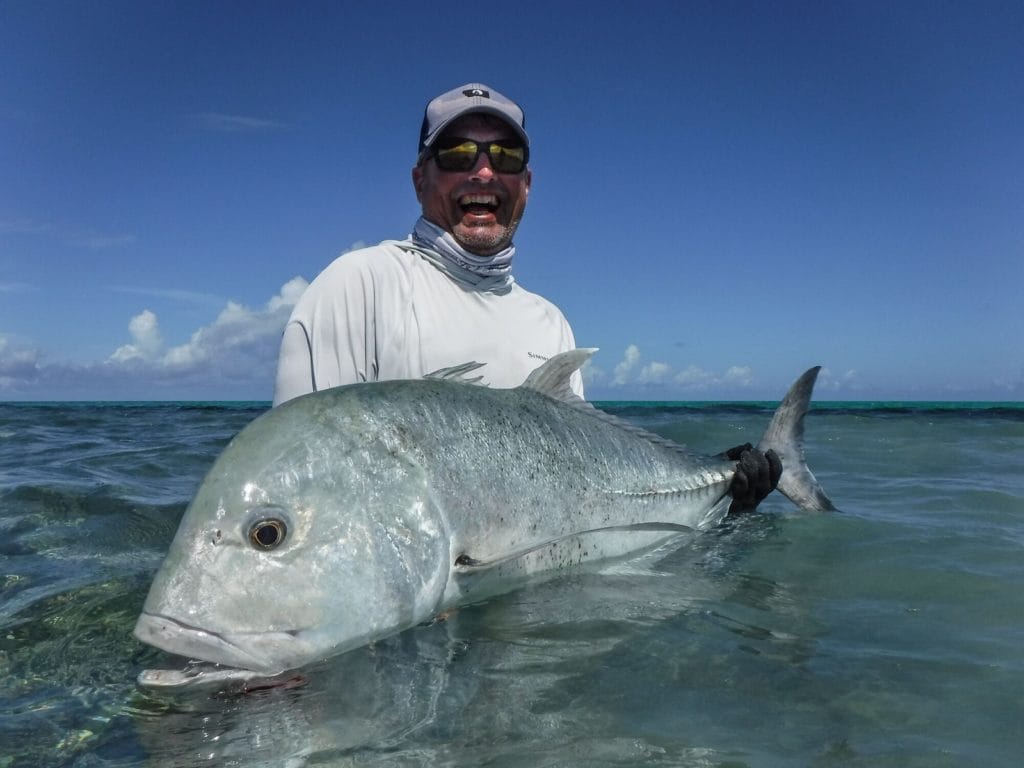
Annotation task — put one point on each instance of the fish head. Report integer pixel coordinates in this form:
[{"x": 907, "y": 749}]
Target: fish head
[{"x": 314, "y": 532}]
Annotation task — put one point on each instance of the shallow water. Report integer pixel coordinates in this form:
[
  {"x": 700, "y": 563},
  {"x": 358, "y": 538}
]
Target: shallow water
[{"x": 888, "y": 634}]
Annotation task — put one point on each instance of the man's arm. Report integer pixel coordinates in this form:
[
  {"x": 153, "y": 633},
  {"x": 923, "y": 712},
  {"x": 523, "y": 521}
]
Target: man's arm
[
  {"x": 331, "y": 336},
  {"x": 294, "y": 365}
]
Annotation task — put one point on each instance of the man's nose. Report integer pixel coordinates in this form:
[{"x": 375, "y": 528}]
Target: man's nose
[{"x": 483, "y": 169}]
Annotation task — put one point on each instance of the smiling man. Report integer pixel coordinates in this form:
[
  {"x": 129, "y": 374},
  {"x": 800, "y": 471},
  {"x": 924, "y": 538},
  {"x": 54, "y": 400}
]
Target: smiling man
[{"x": 445, "y": 295}]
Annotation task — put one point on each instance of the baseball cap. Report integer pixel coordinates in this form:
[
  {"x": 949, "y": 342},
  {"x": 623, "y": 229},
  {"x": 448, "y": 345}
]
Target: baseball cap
[{"x": 468, "y": 98}]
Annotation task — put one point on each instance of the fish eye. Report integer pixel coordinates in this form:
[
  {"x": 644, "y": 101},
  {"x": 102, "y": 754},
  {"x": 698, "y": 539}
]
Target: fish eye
[{"x": 268, "y": 533}]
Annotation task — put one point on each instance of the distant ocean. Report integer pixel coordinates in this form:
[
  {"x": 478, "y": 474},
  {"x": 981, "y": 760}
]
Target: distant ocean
[{"x": 890, "y": 633}]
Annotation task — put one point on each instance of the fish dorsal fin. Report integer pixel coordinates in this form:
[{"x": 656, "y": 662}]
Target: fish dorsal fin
[
  {"x": 554, "y": 377},
  {"x": 458, "y": 373}
]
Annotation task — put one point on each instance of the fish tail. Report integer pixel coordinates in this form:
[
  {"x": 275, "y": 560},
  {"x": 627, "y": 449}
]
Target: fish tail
[{"x": 785, "y": 435}]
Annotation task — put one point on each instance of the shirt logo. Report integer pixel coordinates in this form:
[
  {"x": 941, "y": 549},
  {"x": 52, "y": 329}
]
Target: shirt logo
[{"x": 477, "y": 92}]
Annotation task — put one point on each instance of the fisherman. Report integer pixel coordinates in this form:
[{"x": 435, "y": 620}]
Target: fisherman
[{"x": 445, "y": 295}]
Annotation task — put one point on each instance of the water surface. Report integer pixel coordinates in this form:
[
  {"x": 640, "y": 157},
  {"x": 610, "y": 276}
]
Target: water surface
[{"x": 888, "y": 634}]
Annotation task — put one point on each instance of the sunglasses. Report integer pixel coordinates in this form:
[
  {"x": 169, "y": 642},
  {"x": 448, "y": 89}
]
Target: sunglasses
[{"x": 454, "y": 154}]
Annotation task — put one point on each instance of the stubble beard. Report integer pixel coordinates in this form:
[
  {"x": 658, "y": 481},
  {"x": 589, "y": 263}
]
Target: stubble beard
[{"x": 486, "y": 241}]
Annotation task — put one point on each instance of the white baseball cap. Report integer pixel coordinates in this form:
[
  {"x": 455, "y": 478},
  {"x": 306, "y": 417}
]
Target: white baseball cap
[{"x": 467, "y": 99}]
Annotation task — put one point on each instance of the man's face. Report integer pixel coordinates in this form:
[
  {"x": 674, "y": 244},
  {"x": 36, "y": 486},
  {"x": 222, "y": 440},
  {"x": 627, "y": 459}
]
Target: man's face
[{"x": 480, "y": 207}]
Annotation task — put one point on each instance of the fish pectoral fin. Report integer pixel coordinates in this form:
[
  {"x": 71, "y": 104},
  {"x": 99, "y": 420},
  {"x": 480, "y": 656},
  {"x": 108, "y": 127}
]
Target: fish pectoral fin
[{"x": 466, "y": 564}]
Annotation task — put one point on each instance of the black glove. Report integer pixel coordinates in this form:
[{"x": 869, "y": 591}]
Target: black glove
[{"x": 756, "y": 476}]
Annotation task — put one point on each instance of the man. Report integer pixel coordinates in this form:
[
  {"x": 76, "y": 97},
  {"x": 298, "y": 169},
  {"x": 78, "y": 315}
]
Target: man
[{"x": 445, "y": 295}]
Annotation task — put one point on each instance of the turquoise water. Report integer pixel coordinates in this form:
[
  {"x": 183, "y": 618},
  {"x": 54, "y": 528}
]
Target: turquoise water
[{"x": 890, "y": 633}]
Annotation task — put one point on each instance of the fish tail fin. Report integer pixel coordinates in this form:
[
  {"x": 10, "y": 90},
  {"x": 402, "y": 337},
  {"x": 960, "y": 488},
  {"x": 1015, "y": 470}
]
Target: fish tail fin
[{"x": 785, "y": 435}]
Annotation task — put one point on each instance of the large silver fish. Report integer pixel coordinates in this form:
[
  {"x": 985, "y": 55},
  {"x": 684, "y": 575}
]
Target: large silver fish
[{"x": 350, "y": 514}]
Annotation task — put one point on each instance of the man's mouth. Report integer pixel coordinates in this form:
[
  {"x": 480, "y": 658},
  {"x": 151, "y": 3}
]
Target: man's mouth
[{"x": 479, "y": 204}]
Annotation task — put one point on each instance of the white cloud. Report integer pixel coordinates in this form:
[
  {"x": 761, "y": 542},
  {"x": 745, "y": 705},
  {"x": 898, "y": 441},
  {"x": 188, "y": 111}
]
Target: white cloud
[
  {"x": 236, "y": 337},
  {"x": 146, "y": 332},
  {"x": 827, "y": 381},
  {"x": 14, "y": 358},
  {"x": 358, "y": 245},
  {"x": 625, "y": 368},
  {"x": 289, "y": 294},
  {"x": 740, "y": 375},
  {"x": 220, "y": 122},
  {"x": 17, "y": 363},
  {"x": 654, "y": 373},
  {"x": 632, "y": 372},
  {"x": 233, "y": 357},
  {"x": 694, "y": 377}
]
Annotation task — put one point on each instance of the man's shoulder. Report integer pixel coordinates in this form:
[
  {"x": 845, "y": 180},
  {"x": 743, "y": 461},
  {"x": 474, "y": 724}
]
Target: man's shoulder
[
  {"x": 357, "y": 272},
  {"x": 385, "y": 255},
  {"x": 527, "y": 296},
  {"x": 385, "y": 263}
]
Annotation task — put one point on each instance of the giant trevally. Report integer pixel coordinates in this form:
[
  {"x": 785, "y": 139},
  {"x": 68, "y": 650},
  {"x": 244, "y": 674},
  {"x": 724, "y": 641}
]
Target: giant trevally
[{"x": 353, "y": 513}]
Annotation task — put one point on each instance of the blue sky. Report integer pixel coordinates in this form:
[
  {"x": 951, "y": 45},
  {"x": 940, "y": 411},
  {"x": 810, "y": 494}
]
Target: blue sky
[{"x": 724, "y": 194}]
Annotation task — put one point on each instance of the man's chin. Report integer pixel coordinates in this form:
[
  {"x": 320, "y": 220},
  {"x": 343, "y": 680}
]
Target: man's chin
[{"x": 483, "y": 240}]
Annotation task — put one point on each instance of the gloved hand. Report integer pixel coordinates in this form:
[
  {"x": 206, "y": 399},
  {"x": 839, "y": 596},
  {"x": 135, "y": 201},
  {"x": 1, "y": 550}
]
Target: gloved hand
[{"x": 756, "y": 476}]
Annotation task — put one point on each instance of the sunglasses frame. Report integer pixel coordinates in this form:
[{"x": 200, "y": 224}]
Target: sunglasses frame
[{"x": 481, "y": 147}]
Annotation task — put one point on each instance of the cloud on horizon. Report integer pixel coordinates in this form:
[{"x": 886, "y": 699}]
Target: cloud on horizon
[
  {"x": 632, "y": 372},
  {"x": 830, "y": 382},
  {"x": 233, "y": 355},
  {"x": 17, "y": 362},
  {"x": 237, "y": 352}
]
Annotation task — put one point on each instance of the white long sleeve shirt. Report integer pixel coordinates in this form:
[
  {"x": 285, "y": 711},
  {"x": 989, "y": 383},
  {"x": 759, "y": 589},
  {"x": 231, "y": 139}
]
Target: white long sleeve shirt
[{"x": 386, "y": 312}]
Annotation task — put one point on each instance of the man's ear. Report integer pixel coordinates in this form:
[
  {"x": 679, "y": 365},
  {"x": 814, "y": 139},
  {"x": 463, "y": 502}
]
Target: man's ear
[{"x": 417, "y": 181}]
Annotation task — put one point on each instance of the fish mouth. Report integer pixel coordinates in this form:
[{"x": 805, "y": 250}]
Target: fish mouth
[
  {"x": 262, "y": 653},
  {"x": 202, "y": 675}
]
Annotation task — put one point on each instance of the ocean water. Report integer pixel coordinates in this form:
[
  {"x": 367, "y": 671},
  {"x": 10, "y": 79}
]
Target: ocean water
[{"x": 890, "y": 633}]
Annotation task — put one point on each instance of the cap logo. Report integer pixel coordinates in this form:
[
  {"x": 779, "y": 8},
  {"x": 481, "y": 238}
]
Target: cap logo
[{"x": 477, "y": 92}]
